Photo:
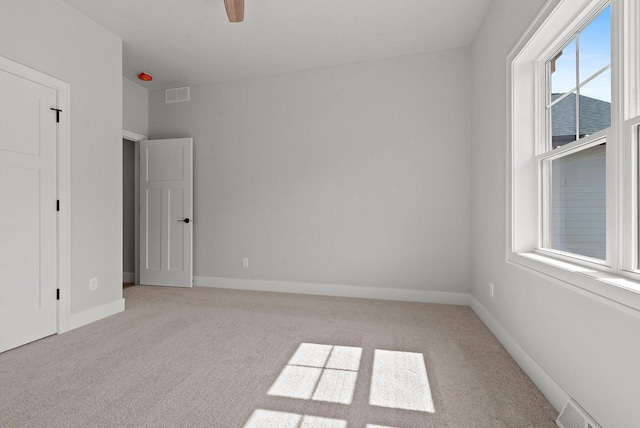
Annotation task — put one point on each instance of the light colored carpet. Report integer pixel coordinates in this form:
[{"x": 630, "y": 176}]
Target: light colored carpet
[{"x": 222, "y": 358}]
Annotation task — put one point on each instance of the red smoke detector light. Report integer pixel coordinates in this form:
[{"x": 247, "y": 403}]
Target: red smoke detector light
[{"x": 145, "y": 77}]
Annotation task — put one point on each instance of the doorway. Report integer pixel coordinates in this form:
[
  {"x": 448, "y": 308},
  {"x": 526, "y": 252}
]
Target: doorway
[
  {"x": 129, "y": 232},
  {"x": 159, "y": 231},
  {"x": 131, "y": 207},
  {"x": 166, "y": 212}
]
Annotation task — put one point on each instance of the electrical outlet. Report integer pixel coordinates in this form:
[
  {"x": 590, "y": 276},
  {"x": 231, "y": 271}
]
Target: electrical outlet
[
  {"x": 93, "y": 284},
  {"x": 245, "y": 262},
  {"x": 491, "y": 289}
]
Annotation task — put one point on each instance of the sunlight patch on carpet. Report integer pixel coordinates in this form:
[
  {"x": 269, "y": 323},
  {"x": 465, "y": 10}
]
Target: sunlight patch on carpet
[
  {"x": 336, "y": 386},
  {"x": 311, "y": 355},
  {"x": 296, "y": 382},
  {"x": 399, "y": 381},
  {"x": 271, "y": 419},
  {"x": 320, "y": 373}
]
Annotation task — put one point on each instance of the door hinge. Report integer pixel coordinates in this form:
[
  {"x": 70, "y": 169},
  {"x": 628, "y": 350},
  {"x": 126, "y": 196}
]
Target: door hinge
[
  {"x": 58, "y": 205},
  {"x": 57, "y": 294},
  {"x": 57, "y": 110}
]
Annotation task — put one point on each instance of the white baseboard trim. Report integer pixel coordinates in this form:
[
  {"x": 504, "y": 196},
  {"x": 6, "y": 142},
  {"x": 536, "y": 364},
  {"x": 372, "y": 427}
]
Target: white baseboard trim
[
  {"x": 128, "y": 277},
  {"x": 545, "y": 383},
  {"x": 404, "y": 295},
  {"x": 95, "y": 314}
]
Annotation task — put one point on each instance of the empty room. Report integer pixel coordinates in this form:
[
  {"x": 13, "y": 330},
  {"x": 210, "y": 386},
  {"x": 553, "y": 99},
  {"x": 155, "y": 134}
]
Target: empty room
[{"x": 320, "y": 214}]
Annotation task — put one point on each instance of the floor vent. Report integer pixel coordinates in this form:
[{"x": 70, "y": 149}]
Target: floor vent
[
  {"x": 574, "y": 416},
  {"x": 177, "y": 95}
]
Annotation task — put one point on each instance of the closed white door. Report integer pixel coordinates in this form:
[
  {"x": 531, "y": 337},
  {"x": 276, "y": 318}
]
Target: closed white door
[
  {"x": 28, "y": 254},
  {"x": 166, "y": 222}
]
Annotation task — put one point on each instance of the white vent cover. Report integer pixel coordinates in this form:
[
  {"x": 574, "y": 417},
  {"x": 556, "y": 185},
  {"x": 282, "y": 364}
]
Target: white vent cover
[
  {"x": 574, "y": 416},
  {"x": 177, "y": 95}
]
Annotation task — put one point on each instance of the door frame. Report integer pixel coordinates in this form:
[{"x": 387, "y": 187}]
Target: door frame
[
  {"x": 135, "y": 138},
  {"x": 63, "y": 185}
]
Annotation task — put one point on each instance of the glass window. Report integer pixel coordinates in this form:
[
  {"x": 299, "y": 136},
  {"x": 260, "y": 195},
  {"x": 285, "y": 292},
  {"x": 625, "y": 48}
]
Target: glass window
[
  {"x": 564, "y": 124},
  {"x": 563, "y": 70},
  {"x": 580, "y": 83},
  {"x": 595, "y": 105},
  {"x": 579, "y": 105},
  {"x": 578, "y": 203},
  {"x": 574, "y": 178}
]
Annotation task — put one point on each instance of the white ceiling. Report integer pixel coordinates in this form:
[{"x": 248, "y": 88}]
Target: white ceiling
[{"x": 185, "y": 42}]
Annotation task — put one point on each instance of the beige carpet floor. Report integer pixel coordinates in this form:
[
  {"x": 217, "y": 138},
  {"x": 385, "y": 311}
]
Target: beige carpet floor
[{"x": 222, "y": 358}]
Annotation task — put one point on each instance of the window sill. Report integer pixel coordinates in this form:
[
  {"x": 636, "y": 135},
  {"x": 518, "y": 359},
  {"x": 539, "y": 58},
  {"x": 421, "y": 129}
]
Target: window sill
[{"x": 621, "y": 292}]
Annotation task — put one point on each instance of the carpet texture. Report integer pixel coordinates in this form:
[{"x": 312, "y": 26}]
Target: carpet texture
[{"x": 225, "y": 358}]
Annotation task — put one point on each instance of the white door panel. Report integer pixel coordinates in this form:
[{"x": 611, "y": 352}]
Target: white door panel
[
  {"x": 28, "y": 254},
  {"x": 166, "y": 194}
]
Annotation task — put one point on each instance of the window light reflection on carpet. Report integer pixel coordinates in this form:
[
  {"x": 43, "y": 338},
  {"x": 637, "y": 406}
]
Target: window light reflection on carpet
[
  {"x": 271, "y": 419},
  {"x": 320, "y": 373},
  {"x": 399, "y": 381},
  {"x": 329, "y": 373}
]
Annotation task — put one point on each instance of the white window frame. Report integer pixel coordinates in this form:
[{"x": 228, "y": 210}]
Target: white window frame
[
  {"x": 615, "y": 280},
  {"x": 544, "y": 151}
]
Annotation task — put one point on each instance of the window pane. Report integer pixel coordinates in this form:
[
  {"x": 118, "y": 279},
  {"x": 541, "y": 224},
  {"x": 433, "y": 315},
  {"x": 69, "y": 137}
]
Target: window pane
[
  {"x": 595, "y": 45},
  {"x": 563, "y": 70},
  {"x": 591, "y": 49},
  {"x": 578, "y": 203},
  {"x": 563, "y": 121},
  {"x": 595, "y": 105}
]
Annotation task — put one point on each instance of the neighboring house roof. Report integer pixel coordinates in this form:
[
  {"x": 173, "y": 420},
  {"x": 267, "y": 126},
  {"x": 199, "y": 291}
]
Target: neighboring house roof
[{"x": 595, "y": 115}]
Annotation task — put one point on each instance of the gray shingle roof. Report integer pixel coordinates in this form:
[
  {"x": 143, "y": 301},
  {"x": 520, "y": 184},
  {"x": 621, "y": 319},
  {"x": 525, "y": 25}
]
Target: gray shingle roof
[{"x": 595, "y": 115}]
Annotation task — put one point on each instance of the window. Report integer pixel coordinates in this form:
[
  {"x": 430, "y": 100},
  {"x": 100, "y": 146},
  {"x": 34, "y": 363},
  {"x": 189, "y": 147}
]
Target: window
[
  {"x": 576, "y": 201},
  {"x": 579, "y": 83},
  {"x": 578, "y": 106},
  {"x": 574, "y": 187}
]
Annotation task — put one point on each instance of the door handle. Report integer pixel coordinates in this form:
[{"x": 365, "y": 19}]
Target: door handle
[{"x": 185, "y": 220}]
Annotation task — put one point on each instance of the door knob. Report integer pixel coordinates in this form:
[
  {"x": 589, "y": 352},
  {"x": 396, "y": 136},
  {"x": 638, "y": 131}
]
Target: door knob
[{"x": 186, "y": 220}]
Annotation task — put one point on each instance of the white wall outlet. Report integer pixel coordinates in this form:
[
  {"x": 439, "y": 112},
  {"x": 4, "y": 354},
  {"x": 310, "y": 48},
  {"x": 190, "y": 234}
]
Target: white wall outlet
[
  {"x": 245, "y": 262},
  {"x": 491, "y": 289},
  {"x": 93, "y": 284}
]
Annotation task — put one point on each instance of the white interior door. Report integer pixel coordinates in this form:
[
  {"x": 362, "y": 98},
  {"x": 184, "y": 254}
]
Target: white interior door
[
  {"x": 166, "y": 206},
  {"x": 28, "y": 255}
]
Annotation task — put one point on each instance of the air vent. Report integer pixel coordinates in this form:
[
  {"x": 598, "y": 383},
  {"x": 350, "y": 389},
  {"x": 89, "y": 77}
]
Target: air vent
[
  {"x": 574, "y": 416},
  {"x": 177, "y": 95}
]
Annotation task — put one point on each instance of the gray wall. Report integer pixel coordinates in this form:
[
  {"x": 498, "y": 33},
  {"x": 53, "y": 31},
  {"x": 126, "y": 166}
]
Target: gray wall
[
  {"x": 135, "y": 109},
  {"x": 355, "y": 174},
  {"x": 128, "y": 207},
  {"x": 53, "y": 38},
  {"x": 588, "y": 345}
]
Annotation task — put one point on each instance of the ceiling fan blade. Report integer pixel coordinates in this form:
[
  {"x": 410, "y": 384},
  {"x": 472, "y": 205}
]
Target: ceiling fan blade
[{"x": 235, "y": 10}]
